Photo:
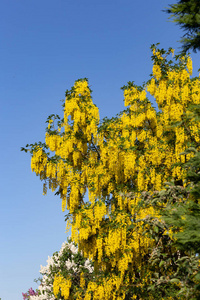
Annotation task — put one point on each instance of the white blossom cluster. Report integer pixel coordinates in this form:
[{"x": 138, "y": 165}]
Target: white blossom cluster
[
  {"x": 60, "y": 261},
  {"x": 88, "y": 266}
]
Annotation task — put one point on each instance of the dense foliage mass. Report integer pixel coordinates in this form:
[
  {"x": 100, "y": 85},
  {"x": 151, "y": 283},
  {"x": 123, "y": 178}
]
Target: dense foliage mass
[
  {"x": 118, "y": 161},
  {"x": 186, "y": 14},
  {"x": 179, "y": 209}
]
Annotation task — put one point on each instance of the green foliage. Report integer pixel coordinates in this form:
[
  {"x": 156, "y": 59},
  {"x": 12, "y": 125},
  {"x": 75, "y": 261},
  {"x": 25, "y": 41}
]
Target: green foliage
[
  {"x": 186, "y": 13},
  {"x": 179, "y": 227}
]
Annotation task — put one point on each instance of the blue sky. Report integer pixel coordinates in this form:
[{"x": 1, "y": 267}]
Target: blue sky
[{"x": 44, "y": 47}]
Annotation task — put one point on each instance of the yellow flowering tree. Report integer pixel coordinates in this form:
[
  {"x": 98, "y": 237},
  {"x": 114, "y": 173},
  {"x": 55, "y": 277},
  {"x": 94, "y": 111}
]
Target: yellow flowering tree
[{"x": 116, "y": 160}]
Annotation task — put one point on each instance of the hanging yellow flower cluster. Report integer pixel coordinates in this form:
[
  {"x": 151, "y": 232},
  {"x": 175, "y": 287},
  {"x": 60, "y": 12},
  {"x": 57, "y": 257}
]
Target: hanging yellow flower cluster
[
  {"x": 38, "y": 161},
  {"x": 136, "y": 151},
  {"x": 61, "y": 285}
]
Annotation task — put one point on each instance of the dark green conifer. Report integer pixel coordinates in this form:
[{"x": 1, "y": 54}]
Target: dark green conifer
[{"x": 186, "y": 13}]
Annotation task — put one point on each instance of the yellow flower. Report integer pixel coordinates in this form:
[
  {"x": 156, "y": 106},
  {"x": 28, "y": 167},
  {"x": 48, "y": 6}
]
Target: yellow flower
[
  {"x": 157, "y": 72},
  {"x": 189, "y": 65}
]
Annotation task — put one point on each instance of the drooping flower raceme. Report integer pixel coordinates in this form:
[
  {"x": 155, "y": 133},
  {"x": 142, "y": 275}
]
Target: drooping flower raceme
[{"x": 136, "y": 151}]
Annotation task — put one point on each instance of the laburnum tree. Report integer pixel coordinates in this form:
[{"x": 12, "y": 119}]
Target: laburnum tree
[
  {"x": 186, "y": 14},
  {"x": 119, "y": 161}
]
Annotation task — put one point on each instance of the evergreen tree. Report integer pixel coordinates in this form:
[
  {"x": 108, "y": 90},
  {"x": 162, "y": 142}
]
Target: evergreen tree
[{"x": 186, "y": 13}]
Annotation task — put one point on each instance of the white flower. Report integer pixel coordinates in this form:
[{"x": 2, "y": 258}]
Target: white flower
[
  {"x": 73, "y": 248},
  {"x": 62, "y": 249},
  {"x": 43, "y": 270},
  {"x": 75, "y": 269},
  {"x": 45, "y": 277},
  {"x": 69, "y": 264},
  {"x": 50, "y": 287},
  {"x": 88, "y": 266},
  {"x": 50, "y": 261}
]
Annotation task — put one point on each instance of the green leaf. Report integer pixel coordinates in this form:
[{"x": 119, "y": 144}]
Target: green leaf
[
  {"x": 156, "y": 229},
  {"x": 161, "y": 263},
  {"x": 175, "y": 280}
]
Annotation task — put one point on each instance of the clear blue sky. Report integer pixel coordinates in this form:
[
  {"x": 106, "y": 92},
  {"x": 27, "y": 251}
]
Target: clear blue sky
[{"x": 45, "y": 45}]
